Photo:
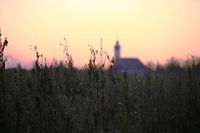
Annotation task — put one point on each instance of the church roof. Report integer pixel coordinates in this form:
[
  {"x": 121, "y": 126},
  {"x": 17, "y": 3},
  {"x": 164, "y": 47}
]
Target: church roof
[{"x": 129, "y": 64}]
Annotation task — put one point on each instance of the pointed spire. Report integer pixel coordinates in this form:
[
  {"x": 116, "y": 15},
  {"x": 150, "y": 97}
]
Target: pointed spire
[
  {"x": 117, "y": 50},
  {"x": 117, "y": 45}
]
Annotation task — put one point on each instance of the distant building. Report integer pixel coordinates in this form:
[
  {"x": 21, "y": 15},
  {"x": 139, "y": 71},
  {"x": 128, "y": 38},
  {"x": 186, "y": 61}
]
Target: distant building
[{"x": 126, "y": 64}]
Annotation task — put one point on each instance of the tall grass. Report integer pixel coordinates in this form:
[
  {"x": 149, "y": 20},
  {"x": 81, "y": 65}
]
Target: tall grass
[
  {"x": 2, "y": 84},
  {"x": 61, "y": 98}
]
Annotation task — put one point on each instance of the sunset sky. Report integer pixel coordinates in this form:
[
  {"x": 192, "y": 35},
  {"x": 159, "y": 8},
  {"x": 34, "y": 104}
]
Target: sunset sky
[{"x": 152, "y": 30}]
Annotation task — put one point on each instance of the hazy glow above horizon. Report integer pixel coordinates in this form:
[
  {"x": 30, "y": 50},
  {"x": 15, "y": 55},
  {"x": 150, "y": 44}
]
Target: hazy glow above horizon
[{"x": 150, "y": 30}]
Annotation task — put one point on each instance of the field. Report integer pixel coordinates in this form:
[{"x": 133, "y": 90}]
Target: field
[{"x": 63, "y": 99}]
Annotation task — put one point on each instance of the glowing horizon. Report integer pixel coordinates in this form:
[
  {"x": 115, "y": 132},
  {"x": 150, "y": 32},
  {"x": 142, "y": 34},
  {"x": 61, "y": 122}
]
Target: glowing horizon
[{"x": 152, "y": 31}]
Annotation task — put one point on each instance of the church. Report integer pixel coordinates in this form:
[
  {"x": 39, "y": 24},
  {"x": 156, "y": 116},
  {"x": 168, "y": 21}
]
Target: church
[{"x": 126, "y": 64}]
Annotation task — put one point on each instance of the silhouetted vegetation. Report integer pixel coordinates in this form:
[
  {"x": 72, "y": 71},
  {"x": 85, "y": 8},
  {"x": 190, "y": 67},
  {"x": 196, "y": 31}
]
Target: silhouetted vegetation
[{"x": 59, "y": 98}]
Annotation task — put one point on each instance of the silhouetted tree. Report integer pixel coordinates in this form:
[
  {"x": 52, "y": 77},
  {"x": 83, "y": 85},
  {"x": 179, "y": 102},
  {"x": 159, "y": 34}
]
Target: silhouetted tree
[{"x": 173, "y": 65}]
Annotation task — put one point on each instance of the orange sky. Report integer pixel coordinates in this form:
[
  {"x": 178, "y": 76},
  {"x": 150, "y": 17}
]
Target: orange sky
[{"x": 149, "y": 29}]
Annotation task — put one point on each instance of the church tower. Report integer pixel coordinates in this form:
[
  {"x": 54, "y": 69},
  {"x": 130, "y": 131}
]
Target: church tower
[{"x": 117, "y": 50}]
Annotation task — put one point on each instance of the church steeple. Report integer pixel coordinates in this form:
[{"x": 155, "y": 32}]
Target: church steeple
[{"x": 117, "y": 50}]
